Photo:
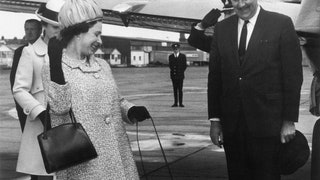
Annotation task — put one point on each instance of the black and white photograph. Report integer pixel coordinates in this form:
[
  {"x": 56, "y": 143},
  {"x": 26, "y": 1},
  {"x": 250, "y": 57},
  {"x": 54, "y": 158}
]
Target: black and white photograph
[{"x": 160, "y": 90}]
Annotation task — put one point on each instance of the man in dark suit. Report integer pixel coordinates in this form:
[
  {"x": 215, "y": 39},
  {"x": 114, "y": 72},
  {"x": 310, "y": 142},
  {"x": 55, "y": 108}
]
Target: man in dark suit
[
  {"x": 177, "y": 64},
  {"x": 33, "y": 29},
  {"x": 254, "y": 82}
]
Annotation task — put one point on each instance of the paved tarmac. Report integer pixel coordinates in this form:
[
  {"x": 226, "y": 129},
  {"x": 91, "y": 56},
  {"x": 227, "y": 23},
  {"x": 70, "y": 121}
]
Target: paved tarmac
[{"x": 184, "y": 132}]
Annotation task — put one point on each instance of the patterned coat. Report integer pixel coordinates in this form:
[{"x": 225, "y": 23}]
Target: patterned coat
[
  {"x": 97, "y": 105},
  {"x": 28, "y": 92}
]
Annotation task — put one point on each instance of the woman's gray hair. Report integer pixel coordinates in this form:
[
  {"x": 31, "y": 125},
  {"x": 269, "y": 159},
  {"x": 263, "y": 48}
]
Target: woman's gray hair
[{"x": 78, "y": 11}]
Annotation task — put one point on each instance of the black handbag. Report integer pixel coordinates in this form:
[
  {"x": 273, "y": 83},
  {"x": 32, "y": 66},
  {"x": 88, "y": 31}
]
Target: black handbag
[{"x": 65, "y": 145}]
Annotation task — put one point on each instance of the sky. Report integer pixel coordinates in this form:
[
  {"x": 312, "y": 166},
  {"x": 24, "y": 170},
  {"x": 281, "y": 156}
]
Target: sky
[{"x": 12, "y": 25}]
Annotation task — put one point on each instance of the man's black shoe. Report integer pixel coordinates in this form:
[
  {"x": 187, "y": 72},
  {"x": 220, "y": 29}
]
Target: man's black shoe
[
  {"x": 174, "y": 105},
  {"x": 181, "y": 105}
]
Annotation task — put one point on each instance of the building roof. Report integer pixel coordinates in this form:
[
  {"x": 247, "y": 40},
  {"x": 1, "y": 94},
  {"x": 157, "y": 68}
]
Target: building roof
[
  {"x": 5, "y": 48},
  {"x": 99, "y": 51},
  {"x": 110, "y": 51}
]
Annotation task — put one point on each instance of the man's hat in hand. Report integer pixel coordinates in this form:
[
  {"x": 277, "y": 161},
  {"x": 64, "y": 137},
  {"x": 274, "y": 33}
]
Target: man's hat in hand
[{"x": 293, "y": 154}]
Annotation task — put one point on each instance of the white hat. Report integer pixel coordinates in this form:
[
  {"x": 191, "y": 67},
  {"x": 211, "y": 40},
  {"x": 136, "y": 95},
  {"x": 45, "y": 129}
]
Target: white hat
[{"x": 49, "y": 12}]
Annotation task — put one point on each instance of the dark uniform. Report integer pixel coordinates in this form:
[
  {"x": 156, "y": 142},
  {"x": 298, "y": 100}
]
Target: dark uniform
[{"x": 177, "y": 67}]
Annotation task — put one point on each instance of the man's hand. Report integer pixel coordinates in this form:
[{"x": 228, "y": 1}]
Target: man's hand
[
  {"x": 288, "y": 131},
  {"x": 216, "y": 133},
  {"x": 210, "y": 19}
]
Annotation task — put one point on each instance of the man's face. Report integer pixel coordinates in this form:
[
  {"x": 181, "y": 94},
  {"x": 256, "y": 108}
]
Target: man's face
[
  {"x": 245, "y": 9},
  {"x": 32, "y": 32}
]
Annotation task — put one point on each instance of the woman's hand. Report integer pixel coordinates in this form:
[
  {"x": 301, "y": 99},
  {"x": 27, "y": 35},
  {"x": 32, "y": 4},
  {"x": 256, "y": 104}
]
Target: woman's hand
[{"x": 138, "y": 113}]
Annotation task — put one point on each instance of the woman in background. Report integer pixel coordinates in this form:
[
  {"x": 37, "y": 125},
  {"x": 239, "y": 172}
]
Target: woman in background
[
  {"x": 75, "y": 78},
  {"x": 28, "y": 91}
]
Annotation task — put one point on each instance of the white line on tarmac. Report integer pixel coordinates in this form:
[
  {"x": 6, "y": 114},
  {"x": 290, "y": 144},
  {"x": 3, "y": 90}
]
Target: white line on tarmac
[{"x": 145, "y": 95}]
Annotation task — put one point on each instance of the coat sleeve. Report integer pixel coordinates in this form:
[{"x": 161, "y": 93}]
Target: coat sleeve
[
  {"x": 214, "y": 81},
  {"x": 58, "y": 96},
  {"x": 199, "y": 40},
  {"x": 124, "y": 104},
  {"x": 170, "y": 61},
  {"x": 291, "y": 60},
  {"x": 184, "y": 62},
  {"x": 22, "y": 88}
]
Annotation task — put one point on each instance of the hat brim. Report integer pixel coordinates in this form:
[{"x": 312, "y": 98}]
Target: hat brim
[
  {"x": 294, "y": 154},
  {"x": 54, "y": 23}
]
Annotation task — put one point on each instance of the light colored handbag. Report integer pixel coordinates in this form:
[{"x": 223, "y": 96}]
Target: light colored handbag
[{"x": 309, "y": 17}]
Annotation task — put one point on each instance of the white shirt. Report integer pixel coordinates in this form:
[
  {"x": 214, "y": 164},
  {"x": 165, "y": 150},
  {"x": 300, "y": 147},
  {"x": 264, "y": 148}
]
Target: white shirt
[{"x": 250, "y": 26}]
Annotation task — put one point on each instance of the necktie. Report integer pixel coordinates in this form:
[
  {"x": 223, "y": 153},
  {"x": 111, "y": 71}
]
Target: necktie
[{"x": 243, "y": 41}]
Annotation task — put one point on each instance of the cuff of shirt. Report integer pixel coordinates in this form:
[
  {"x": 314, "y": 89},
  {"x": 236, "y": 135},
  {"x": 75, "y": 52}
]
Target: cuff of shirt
[
  {"x": 214, "y": 119},
  {"x": 199, "y": 27}
]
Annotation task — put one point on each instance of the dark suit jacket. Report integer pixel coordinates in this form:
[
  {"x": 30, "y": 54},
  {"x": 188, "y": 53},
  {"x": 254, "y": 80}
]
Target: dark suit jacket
[
  {"x": 177, "y": 66},
  {"x": 16, "y": 57},
  {"x": 266, "y": 87},
  {"x": 199, "y": 40}
]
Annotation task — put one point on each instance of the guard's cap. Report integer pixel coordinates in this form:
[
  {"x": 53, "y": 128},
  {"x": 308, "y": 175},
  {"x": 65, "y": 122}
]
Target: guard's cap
[{"x": 175, "y": 45}]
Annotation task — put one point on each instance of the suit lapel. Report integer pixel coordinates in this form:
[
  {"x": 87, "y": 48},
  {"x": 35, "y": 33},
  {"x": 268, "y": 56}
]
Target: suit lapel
[
  {"x": 234, "y": 37},
  {"x": 257, "y": 33}
]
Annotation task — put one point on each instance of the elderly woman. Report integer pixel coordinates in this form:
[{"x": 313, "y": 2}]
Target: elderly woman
[
  {"x": 75, "y": 78},
  {"x": 28, "y": 91}
]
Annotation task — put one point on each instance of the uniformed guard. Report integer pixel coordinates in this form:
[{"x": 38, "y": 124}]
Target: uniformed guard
[{"x": 177, "y": 64}]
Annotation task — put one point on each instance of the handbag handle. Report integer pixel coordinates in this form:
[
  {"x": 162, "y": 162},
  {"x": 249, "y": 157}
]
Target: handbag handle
[
  {"x": 73, "y": 119},
  {"x": 47, "y": 119}
]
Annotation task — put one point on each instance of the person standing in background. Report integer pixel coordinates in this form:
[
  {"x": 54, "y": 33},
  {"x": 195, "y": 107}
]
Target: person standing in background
[
  {"x": 32, "y": 29},
  {"x": 254, "y": 83},
  {"x": 29, "y": 93},
  {"x": 178, "y": 65}
]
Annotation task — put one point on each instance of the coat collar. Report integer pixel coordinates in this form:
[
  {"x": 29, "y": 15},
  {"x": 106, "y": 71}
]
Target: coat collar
[
  {"x": 234, "y": 36},
  {"x": 84, "y": 67},
  {"x": 40, "y": 47}
]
